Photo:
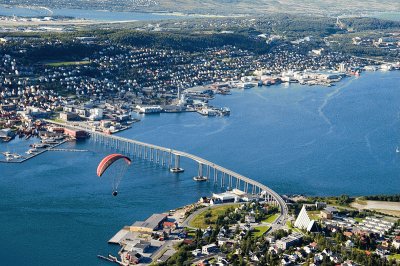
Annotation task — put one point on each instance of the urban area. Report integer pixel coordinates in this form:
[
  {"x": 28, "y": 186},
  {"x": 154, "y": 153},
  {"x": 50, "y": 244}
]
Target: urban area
[{"x": 59, "y": 81}]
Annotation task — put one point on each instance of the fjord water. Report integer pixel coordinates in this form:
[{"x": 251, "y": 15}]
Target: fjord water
[
  {"x": 96, "y": 15},
  {"x": 295, "y": 139}
]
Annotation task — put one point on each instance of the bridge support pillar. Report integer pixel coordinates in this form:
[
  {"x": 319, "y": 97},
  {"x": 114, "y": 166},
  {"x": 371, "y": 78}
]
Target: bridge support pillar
[
  {"x": 177, "y": 168},
  {"x": 162, "y": 158},
  {"x": 200, "y": 176}
]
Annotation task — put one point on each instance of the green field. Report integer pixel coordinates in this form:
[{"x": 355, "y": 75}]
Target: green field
[
  {"x": 260, "y": 230},
  {"x": 394, "y": 257},
  {"x": 314, "y": 215},
  {"x": 290, "y": 226},
  {"x": 66, "y": 63},
  {"x": 271, "y": 218},
  {"x": 358, "y": 219},
  {"x": 199, "y": 220}
]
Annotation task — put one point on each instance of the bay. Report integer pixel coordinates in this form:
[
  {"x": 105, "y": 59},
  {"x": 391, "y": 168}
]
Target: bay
[{"x": 294, "y": 139}]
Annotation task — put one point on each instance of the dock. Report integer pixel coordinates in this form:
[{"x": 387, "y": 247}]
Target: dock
[
  {"x": 110, "y": 258},
  {"x": 68, "y": 150},
  {"x": 118, "y": 237},
  {"x": 33, "y": 155}
]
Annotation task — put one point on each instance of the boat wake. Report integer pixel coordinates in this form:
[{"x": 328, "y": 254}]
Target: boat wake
[
  {"x": 368, "y": 136},
  {"x": 326, "y": 101},
  {"x": 220, "y": 129},
  {"x": 369, "y": 146}
]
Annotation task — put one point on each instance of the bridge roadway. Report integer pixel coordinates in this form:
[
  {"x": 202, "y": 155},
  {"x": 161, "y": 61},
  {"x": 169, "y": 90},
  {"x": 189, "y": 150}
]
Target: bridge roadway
[{"x": 272, "y": 195}]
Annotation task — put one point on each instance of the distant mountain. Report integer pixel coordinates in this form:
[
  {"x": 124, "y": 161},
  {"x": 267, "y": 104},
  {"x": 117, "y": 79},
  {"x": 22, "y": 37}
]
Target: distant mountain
[{"x": 225, "y": 7}]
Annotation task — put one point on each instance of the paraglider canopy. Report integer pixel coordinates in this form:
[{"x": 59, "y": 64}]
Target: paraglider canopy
[
  {"x": 114, "y": 167},
  {"x": 109, "y": 160}
]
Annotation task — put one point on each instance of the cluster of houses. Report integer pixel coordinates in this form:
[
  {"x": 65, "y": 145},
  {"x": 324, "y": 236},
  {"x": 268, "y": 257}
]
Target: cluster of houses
[
  {"x": 390, "y": 41},
  {"x": 383, "y": 231},
  {"x": 98, "y": 115}
]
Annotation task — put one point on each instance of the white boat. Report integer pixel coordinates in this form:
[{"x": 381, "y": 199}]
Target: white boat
[
  {"x": 16, "y": 156},
  {"x": 397, "y": 149},
  {"x": 31, "y": 151},
  {"x": 7, "y": 154},
  {"x": 39, "y": 145}
]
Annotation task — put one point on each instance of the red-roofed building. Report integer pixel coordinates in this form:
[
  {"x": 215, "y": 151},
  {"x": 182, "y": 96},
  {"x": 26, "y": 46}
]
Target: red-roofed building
[{"x": 168, "y": 224}]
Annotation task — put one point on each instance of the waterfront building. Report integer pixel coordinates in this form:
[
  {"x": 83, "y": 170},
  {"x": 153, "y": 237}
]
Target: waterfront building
[
  {"x": 151, "y": 224},
  {"x": 149, "y": 109},
  {"x": 225, "y": 197}
]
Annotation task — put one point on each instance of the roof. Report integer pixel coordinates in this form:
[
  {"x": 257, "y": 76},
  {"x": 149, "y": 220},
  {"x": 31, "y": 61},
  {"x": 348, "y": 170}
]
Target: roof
[
  {"x": 142, "y": 244},
  {"x": 331, "y": 209},
  {"x": 152, "y": 222}
]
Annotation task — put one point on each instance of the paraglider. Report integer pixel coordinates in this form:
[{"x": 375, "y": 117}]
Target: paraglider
[{"x": 113, "y": 166}]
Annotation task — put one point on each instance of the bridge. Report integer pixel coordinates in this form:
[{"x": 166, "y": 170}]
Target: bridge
[{"x": 171, "y": 158}]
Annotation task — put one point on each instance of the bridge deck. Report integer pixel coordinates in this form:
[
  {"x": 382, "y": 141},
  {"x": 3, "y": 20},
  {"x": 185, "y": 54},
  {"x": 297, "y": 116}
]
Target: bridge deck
[{"x": 276, "y": 196}]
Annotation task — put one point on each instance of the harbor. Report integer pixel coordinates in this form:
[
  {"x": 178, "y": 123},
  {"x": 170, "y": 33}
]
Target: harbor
[
  {"x": 63, "y": 195},
  {"x": 50, "y": 138}
]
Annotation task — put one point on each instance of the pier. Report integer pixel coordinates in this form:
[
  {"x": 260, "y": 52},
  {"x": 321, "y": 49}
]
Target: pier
[
  {"x": 171, "y": 158},
  {"x": 26, "y": 158}
]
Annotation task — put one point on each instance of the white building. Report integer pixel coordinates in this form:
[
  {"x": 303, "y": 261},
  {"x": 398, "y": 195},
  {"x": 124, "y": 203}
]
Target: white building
[
  {"x": 96, "y": 114},
  {"x": 149, "y": 109},
  {"x": 226, "y": 197},
  {"x": 210, "y": 248},
  {"x": 303, "y": 221}
]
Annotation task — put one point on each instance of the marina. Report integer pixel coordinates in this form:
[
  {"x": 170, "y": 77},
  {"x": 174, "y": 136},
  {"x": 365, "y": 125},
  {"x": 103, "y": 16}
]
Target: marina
[{"x": 32, "y": 153}]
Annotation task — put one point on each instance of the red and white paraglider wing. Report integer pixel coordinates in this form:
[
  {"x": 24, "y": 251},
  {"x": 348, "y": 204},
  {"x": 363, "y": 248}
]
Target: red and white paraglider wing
[{"x": 108, "y": 161}]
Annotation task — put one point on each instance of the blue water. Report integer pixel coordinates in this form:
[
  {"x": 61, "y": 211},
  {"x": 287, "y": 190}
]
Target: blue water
[
  {"x": 98, "y": 15},
  {"x": 295, "y": 139}
]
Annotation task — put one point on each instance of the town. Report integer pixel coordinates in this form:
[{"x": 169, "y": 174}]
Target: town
[
  {"x": 236, "y": 228},
  {"x": 90, "y": 82},
  {"x": 64, "y": 83}
]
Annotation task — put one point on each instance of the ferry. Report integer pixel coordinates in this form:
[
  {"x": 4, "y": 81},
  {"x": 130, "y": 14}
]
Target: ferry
[
  {"x": 247, "y": 85},
  {"x": 225, "y": 111},
  {"x": 39, "y": 145},
  {"x": 207, "y": 112},
  {"x": 200, "y": 178}
]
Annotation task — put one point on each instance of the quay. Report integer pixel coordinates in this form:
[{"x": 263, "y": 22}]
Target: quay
[
  {"x": 69, "y": 150},
  {"x": 171, "y": 158},
  {"x": 24, "y": 159}
]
